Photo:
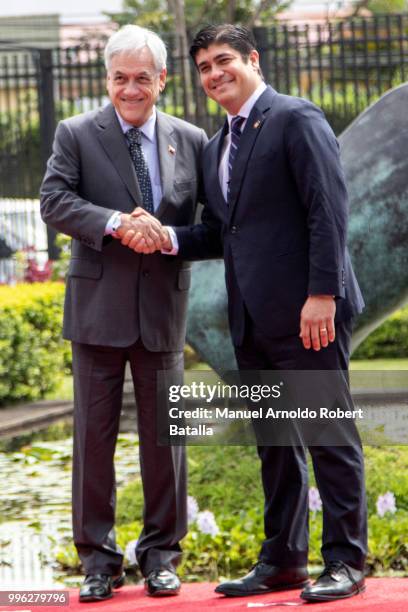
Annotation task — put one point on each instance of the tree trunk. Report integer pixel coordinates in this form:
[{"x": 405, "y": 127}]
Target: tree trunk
[
  {"x": 230, "y": 12},
  {"x": 177, "y": 8}
]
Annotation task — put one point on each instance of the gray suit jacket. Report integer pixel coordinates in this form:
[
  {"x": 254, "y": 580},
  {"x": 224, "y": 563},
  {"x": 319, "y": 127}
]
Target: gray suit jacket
[{"x": 114, "y": 296}]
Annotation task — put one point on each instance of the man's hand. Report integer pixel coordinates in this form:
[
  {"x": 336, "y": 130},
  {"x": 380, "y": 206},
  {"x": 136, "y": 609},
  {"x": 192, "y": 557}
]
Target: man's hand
[
  {"x": 317, "y": 321},
  {"x": 138, "y": 242},
  {"x": 141, "y": 231}
]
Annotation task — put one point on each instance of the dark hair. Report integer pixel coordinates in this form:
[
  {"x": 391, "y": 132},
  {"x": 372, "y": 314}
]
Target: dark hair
[{"x": 237, "y": 37}]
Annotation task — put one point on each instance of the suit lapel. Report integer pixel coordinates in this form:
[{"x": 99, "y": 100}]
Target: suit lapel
[
  {"x": 213, "y": 178},
  {"x": 248, "y": 138},
  {"x": 113, "y": 141},
  {"x": 167, "y": 153}
]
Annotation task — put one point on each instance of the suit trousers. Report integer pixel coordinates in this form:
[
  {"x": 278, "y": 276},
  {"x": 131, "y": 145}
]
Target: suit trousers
[
  {"x": 98, "y": 384},
  {"x": 339, "y": 470}
]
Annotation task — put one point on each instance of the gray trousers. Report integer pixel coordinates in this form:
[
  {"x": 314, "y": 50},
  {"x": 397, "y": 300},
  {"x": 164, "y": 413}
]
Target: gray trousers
[{"x": 98, "y": 386}]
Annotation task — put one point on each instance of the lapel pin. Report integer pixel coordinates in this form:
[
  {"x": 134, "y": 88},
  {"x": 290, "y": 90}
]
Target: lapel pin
[
  {"x": 171, "y": 150},
  {"x": 257, "y": 124}
]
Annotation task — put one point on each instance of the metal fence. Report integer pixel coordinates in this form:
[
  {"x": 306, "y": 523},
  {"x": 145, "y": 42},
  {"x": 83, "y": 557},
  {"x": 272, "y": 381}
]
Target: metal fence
[{"x": 341, "y": 66}]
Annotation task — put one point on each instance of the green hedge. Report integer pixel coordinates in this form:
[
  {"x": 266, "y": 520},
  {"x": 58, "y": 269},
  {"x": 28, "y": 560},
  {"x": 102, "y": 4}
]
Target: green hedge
[
  {"x": 33, "y": 355},
  {"x": 226, "y": 480},
  {"x": 390, "y": 340}
]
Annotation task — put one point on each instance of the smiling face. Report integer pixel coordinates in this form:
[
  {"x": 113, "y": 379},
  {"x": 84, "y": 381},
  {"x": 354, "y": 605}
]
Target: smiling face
[
  {"x": 226, "y": 77},
  {"x": 134, "y": 84}
]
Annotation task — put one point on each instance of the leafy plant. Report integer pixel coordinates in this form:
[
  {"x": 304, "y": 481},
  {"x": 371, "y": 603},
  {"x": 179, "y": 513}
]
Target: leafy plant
[
  {"x": 389, "y": 340},
  {"x": 226, "y": 480},
  {"x": 32, "y": 353}
]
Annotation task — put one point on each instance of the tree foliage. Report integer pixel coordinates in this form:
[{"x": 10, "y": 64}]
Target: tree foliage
[
  {"x": 159, "y": 16},
  {"x": 381, "y": 7}
]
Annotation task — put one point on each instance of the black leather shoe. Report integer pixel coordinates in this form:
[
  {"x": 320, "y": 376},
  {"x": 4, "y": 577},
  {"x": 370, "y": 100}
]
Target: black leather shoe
[
  {"x": 264, "y": 578},
  {"x": 161, "y": 582},
  {"x": 337, "y": 581},
  {"x": 97, "y": 587},
  {"x": 118, "y": 581}
]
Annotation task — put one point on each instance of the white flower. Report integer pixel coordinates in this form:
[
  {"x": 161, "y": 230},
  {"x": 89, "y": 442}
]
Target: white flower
[
  {"x": 130, "y": 552},
  {"x": 386, "y": 503},
  {"x": 206, "y": 523},
  {"x": 315, "y": 503},
  {"x": 192, "y": 509}
]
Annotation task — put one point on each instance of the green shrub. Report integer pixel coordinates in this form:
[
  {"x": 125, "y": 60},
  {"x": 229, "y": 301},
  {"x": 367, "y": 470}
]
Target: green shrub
[
  {"x": 32, "y": 353},
  {"x": 387, "y": 470},
  {"x": 231, "y": 551},
  {"x": 208, "y": 469},
  {"x": 226, "y": 480},
  {"x": 387, "y": 542},
  {"x": 390, "y": 340}
]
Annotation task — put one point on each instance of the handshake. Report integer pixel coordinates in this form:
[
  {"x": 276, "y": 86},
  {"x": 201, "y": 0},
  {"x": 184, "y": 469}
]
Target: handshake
[{"x": 143, "y": 233}]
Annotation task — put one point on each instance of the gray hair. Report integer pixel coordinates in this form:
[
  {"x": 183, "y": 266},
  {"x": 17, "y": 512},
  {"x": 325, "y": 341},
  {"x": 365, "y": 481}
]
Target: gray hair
[{"x": 133, "y": 38}]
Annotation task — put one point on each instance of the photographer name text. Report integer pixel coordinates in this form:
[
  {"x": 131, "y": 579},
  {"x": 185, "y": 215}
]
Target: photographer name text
[{"x": 222, "y": 414}]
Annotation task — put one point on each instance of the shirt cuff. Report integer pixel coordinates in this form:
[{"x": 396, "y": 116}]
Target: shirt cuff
[
  {"x": 174, "y": 242},
  {"x": 112, "y": 224}
]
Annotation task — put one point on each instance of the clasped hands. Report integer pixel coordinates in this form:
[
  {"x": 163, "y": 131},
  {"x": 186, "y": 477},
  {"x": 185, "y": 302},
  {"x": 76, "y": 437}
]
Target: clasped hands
[{"x": 143, "y": 233}]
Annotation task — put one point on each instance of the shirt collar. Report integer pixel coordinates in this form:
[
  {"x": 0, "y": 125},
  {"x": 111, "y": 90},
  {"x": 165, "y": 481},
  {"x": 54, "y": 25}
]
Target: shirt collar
[
  {"x": 247, "y": 107},
  {"x": 147, "y": 129}
]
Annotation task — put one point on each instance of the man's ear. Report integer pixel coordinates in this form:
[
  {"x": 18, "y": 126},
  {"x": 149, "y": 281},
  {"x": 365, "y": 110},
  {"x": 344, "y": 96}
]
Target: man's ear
[
  {"x": 254, "y": 59},
  {"x": 162, "y": 79}
]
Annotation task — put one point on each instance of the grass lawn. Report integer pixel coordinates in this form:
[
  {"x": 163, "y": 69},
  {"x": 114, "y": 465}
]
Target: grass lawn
[
  {"x": 381, "y": 375},
  {"x": 379, "y": 364}
]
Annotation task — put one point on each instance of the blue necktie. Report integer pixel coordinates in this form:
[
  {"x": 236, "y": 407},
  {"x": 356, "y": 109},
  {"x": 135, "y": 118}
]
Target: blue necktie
[
  {"x": 236, "y": 123},
  {"x": 134, "y": 137}
]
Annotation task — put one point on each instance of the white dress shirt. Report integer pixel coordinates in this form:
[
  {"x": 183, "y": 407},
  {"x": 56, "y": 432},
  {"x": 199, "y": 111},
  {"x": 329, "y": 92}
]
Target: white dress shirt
[{"x": 244, "y": 111}]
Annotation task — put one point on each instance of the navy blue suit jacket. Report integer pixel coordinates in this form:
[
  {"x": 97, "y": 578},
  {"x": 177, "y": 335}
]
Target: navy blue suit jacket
[{"x": 283, "y": 235}]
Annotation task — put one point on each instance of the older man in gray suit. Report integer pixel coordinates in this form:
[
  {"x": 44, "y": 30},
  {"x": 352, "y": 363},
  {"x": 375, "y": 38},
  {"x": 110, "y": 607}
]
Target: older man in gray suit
[{"x": 122, "y": 306}]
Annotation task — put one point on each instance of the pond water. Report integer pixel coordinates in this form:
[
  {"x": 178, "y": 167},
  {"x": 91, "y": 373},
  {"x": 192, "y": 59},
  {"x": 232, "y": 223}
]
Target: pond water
[{"x": 35, "y": 506}]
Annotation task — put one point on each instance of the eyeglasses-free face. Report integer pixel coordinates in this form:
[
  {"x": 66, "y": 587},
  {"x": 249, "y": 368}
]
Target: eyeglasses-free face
[
  {"x": 134, "y": 84},
  {"x": 226, "y": 77}
]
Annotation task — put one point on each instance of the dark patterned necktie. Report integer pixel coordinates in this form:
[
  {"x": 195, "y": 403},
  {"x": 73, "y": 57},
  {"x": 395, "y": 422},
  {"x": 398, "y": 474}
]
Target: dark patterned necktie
[
  {"x": 134, "y": 138},
  {"x": 236, "y": 124}
]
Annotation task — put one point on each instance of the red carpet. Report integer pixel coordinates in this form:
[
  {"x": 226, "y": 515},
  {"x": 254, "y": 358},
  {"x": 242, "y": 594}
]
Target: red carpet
[{"x": 382, "y": 594}]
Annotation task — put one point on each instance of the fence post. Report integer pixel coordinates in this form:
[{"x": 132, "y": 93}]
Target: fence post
[
  {"x": 46, "y": 109},
  {"x": 265, "y": 48}
]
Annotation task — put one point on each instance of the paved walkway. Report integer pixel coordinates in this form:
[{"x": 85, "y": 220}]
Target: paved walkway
[{"x": 26, "y": 418}]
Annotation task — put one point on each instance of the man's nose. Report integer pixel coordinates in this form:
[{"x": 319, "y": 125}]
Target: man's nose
[
  {"x": 132, "y": 87},
  {"x": 216, "y": 72}
]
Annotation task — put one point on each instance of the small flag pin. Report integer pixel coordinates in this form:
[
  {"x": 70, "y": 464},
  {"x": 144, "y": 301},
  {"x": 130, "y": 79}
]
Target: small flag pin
[{"x": 172, "y": 150}]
